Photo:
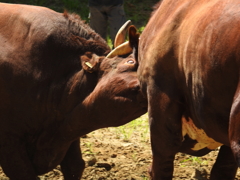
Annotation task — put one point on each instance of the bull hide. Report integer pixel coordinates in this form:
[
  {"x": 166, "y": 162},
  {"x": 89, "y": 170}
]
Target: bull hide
[
  {"x": 189, "y": 56},
  {"x": 57, "y": 85}
]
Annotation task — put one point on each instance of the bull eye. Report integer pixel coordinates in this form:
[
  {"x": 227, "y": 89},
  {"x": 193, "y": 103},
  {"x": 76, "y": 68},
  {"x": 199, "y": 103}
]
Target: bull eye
[{"x": 130, "y": 62}]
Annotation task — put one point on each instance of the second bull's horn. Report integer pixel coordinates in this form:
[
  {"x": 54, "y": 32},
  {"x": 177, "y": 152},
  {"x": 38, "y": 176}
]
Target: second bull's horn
[
  {"x": 121, "y": 47},
  {"x": 124, "y": 48}
]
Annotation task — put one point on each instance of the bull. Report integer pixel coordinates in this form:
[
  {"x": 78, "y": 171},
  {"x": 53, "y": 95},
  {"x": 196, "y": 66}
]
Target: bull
[
  {"x": 59, "y": 82},
  {"x": 189, "y": 67}
]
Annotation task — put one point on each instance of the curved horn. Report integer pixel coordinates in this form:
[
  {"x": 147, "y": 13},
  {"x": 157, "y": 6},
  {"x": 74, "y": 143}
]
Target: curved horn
[
  {"x": 120, "y": 36},
  {"x": 124, "y": 48},
  {"x": 127, "y": 47}
]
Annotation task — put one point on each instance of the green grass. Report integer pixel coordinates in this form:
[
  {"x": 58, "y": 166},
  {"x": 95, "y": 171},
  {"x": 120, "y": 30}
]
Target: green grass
[
  {"x": 137, "y": 128},
  {"x": 193, "y": 161},
  {"x": 89, "y": 148},
  {"x": 134, "y": 131}
]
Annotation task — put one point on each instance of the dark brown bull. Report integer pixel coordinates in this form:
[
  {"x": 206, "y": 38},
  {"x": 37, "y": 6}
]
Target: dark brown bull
[
  {"x": 189, "y": 55},
  {"x": 55, "y": 87}
]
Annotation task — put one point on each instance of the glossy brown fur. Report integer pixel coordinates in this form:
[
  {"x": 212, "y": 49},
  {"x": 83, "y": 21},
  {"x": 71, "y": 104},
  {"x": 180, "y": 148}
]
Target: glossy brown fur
[
  {"x": 49, "y": 95},
  {"x": 189, "y": 67}
]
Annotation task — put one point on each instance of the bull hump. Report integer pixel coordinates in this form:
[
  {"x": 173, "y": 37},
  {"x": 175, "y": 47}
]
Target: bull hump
[{"x": 203, "y": 141}]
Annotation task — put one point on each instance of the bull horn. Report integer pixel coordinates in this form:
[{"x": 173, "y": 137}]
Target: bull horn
[
  {"x": 123, "y": 49},
  {"x": 120, "y": 36}
]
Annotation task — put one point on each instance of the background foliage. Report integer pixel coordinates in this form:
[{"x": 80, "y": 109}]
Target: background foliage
[{"x": 136, "y": 10}]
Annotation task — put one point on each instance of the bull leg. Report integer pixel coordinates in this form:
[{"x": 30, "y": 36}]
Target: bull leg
[
  {"x": 225, "y": 167},
  {"x": 166, "y": 136},
  {"x": 234, "y": 127},
  {"x": 15, "y": 161},
  {"x": 73, "y": 165}
]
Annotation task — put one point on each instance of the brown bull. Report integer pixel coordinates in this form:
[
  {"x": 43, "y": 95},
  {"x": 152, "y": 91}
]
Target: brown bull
[
  {"x": 55, "y": 86},
  {"x": 189, "y": 69}
]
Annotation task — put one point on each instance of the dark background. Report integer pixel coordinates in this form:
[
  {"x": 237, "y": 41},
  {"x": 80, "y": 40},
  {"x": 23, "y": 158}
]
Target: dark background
[{"x": 136, "y": 10}]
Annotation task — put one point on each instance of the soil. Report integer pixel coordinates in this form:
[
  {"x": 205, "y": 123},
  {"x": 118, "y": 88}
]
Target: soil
[{"x": 112, "y": 156}]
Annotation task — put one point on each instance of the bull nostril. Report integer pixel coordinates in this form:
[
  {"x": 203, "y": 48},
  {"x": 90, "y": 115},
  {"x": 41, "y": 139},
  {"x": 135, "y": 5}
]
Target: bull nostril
[{"x": 136, "y": 87}]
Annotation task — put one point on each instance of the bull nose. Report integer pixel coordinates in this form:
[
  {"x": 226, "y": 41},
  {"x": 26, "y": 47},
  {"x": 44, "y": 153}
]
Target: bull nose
[{"x": 135, "y": 85}]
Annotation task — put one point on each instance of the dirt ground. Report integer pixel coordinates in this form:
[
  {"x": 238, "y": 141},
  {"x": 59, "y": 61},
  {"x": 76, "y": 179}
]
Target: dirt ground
[{"x": 112, "y": 155}]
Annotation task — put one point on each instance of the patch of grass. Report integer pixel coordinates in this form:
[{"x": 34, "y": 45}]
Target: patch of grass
[
  {"x": 193, "y": 161},
  {"x": 89, "y": 148},
  {"x": 139, "y": 128}
]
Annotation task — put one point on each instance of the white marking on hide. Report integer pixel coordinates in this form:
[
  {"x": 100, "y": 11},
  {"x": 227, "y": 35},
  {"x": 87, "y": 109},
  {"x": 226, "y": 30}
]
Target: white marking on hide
[{"x": 189, "y": 128}]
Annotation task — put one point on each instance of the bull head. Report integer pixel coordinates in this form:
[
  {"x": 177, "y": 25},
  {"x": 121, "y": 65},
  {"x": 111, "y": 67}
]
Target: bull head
[{"x": 90, "y": 63}]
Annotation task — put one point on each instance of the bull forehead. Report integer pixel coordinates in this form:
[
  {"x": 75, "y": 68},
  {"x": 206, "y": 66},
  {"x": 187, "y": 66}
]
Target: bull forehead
[{"x": 203, "y": 141}]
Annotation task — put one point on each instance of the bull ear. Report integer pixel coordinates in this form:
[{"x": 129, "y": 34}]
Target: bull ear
[
  {"x": 133, "y": 36},
  {"x": 90, "y": 62},
  {"x": 134, "y": 40}
]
